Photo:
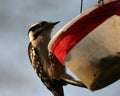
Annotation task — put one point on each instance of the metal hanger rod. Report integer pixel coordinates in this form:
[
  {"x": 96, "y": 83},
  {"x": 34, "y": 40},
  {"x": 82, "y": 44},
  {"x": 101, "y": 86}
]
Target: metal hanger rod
[{"x": 81, "y": 5}]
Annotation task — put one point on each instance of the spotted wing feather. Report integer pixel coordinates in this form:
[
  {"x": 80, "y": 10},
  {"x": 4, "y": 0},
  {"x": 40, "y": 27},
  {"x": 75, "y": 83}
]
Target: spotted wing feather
[{"x": 54, "y": 86}]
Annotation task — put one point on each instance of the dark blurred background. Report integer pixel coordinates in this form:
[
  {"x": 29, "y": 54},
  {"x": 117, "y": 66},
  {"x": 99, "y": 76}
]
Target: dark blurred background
[{"x": 17, "y": 77}]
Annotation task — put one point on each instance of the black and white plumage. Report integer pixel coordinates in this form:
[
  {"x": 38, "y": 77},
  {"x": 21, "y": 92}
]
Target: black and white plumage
[{"x": 48, "y": 68}]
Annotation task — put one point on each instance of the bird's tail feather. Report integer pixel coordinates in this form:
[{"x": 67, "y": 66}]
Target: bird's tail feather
[
  {"x": 58, "y": 91},
  {"x": 70, "y": 80}
]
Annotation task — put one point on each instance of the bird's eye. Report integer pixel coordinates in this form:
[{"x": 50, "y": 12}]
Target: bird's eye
[
  {"x": 34, "y": 28},
  {"x": 43, "y": 23}
]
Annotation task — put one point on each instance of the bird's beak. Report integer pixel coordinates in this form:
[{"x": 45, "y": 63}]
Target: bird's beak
[{"x": 55, "y": 23}]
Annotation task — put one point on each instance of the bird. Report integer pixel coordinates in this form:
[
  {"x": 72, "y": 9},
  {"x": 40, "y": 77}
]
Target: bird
[{"x": 48, "y": 68}]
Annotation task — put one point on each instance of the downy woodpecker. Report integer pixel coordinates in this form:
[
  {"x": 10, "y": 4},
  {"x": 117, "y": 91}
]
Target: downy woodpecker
[{"x": 48, "y": 68}]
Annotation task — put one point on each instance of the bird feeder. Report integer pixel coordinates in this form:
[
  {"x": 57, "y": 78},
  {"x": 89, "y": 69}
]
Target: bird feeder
[{"x": 89, "y": 45}]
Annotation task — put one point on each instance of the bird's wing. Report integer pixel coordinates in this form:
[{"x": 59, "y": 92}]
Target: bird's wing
[
  {"x": 33, "y": 56},
  {"x": 30, "y": 52},
  {"x": 34, "y": 59},
  {"x": 55, "y": 87}
]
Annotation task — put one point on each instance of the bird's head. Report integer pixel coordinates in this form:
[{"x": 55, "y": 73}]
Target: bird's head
[{"x": 40, "y": 28}]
